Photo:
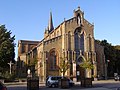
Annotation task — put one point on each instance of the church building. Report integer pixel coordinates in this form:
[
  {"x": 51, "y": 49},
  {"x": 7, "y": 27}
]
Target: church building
[{"x": 73, "y": 39}]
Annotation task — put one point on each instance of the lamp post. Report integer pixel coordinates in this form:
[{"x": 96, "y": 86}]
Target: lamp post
[
  {"x": 108, "y": 62},
  {"x": 107, "y": 67},
  {"x": 10, "y": 64}
]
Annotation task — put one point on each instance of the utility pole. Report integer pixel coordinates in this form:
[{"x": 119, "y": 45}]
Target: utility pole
[{"x": 10, "y": 63}]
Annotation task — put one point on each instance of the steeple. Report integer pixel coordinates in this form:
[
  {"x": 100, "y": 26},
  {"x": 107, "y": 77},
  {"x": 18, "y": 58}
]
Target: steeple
[{"x": 50, "y": 25}]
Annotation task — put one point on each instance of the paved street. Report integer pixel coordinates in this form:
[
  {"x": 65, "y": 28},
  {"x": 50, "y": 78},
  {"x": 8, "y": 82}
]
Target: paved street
[{"x": 97, "y": 85}]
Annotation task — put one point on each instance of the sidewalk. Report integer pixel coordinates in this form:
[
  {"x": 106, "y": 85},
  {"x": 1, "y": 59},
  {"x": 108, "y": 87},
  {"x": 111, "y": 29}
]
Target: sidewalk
[
  {"x": 16, "y": 83},
  {"x": 92, "y": 88},
  {"x": 96, "y": 89},
  {"x": 100, "y": 85}
]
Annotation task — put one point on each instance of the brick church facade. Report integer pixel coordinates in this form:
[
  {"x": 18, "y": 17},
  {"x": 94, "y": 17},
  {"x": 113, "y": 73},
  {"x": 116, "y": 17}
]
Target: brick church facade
[{"x": 73, "y": 38}]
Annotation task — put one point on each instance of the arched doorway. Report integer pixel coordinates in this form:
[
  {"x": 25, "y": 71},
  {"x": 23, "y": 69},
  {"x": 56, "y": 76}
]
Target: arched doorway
[{"x": 80, "y": 72}]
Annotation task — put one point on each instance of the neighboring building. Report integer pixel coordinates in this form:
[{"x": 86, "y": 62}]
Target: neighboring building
[
  {"x": 73, "y": 38},
  {"x": 100, "y": 58},
  {"x": 24, "y": 46}
]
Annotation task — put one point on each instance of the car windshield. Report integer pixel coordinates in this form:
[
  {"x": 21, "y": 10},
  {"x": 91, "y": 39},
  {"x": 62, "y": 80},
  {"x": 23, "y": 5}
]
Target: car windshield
[{"x": 55, "y": 78}]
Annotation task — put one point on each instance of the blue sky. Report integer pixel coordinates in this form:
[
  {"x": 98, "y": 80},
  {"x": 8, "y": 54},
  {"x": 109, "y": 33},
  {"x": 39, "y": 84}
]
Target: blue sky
[{"x": 27, "y": 19}]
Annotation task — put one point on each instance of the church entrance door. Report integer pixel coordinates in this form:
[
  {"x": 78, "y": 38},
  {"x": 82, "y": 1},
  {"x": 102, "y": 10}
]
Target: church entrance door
[{"x": 80, "y": 72}]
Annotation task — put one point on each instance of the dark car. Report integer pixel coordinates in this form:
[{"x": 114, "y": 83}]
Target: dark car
[
  {"x": 53, "y": 81},
  {"x": 2, "y": 86}
]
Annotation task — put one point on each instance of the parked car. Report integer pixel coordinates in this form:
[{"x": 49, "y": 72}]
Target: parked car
[
  {"x": 117, "y": 78},
  {"x": 71, "y": 83},
  {"x": 2, "y": 86},
  {"x": 53, "y": 81}
]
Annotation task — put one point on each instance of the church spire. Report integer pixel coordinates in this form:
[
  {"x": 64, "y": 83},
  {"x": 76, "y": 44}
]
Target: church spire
[{"x": 50, "y": 25}]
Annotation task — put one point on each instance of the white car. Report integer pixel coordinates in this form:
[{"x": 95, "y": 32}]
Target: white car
[
  {"x": 53, "y": 81},
  {"x": 117, "y": 78}
]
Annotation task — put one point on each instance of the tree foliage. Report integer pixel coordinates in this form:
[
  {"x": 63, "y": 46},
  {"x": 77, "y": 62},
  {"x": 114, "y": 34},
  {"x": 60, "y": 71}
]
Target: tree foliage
[
  {"x": 112, "y": 53},
  {"x": 86, "y": 64},
  {"x": 7, "y": 45},
  {"x": 64, "y": 65},
  {"x": 33, "y": 62},
  {"x": 117, "y": 47}
]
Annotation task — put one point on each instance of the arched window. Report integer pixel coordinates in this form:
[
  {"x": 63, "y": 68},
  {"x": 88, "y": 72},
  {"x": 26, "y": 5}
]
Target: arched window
[
  {"x": 69, "y": 41},
  {"x": 90, "y": 43},
  {"x": 79, "y": 40},
  {"x": 82, "y": 41},
  {"x": 23, "y": 50},
  {"x": 76, "y": 40},
  {"x": 53, "y": 60}
]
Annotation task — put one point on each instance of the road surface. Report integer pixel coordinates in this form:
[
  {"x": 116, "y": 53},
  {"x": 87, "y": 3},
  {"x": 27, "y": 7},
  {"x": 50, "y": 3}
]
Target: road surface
[{"x": 97, "y": 85}]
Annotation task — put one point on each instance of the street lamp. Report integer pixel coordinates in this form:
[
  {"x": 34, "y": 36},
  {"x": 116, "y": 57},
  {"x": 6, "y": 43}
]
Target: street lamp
[
  {"x": 10, "y": 64},
  {"x": 108, "y": 61},
  {"x": 107, "y": 67}
]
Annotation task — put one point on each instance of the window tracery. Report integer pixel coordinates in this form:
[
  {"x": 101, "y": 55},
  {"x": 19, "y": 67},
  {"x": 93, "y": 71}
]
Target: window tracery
[{"x": 53, "y": 60}]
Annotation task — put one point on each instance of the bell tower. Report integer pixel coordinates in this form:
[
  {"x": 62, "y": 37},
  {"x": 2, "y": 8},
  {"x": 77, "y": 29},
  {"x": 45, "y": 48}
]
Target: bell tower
[
  {"x": 50, "y": 26},
  {"x": 79, "y": 15}
]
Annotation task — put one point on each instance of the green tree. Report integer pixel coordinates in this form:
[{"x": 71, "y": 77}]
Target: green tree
[
  {"x": 64, "y": 65},
  {"x": 117, "y": 64},
  {"x": 86, "y": 64},
  {"x": 112, "y": 53},
  {"x": 7, "y": 45},
  {"x": 117, "y": 47}
]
